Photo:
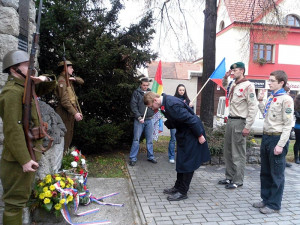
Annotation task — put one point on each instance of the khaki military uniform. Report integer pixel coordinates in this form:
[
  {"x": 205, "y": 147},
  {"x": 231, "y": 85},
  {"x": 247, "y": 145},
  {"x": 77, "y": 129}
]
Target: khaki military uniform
[
  {"x": 277, "y": 127},
  {"x": 17, "y": 184},
  {"x": 242, "y": 112},
  {"x": 65, "y": 108}
]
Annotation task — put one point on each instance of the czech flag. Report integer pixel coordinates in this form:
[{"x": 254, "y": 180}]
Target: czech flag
[{"x": 218, "y": 74}]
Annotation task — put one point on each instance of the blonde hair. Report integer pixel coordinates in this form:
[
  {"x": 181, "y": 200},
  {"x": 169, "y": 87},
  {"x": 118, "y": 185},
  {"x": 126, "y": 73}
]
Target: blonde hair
[{"x": 149, "y": 97}]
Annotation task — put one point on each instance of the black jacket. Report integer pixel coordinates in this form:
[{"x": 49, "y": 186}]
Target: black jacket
[{"x": 137, "y": 105}]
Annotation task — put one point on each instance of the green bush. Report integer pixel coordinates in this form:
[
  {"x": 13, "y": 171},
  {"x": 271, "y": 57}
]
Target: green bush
[
  {"x": 91, "y": 137},
  {"x": 215, "y": 140}
]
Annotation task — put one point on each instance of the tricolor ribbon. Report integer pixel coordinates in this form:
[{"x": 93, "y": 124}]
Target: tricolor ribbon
[{"x": 69, "y": 191}]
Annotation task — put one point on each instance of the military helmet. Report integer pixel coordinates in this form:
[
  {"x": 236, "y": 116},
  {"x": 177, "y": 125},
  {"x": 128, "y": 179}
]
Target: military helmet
[
  {"x": 62, "y": 63},
  {"x": 14, "y": 57}
]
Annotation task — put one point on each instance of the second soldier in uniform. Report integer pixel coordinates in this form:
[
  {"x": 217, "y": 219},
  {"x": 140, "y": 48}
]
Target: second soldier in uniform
[{"x": 67, "y": 111}]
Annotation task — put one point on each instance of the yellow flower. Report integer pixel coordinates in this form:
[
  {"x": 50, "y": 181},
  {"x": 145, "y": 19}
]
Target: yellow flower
[
  {"x": 45, "y": 189},
  {"x": 42, "y": 196},
  {"x": 253, "y": 141},
  {"x": 62, "y": 201},
  {"x": 48, "y": 181},
  {"x": 52, "y": 188},
  {"x": 70, "y": 181},
  {"x": 69, "y": 185},
  {"x": 62, "y": 184},
  {"x": 48, "y": 176},
  {"x": 70, "y": 198},
  {"x": 48, "y": 194},
  {"x": 57, "y": 206},
  {"x": 57, "y": 175},
  {"x": 57, "y": 178},
  {"x": 47, "y": 200},
  {"x": 42, "y": 184}
]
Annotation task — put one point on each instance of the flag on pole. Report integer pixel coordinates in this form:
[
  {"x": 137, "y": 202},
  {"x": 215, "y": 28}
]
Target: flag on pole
[
  {"x": 157, "y": 87},
  {"x": 219, "y": 73}
]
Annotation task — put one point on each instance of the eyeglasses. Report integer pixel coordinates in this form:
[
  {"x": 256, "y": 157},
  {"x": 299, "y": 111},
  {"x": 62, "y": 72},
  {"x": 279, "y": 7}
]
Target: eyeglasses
[{"x": 272, "y": 81}]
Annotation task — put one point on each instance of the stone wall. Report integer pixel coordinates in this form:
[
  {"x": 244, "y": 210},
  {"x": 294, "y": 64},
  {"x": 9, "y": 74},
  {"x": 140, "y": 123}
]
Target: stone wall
[{"x": 252, "y": 156}]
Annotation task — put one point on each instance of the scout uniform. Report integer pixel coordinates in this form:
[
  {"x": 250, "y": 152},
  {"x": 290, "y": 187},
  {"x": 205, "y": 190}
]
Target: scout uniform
[
  {"x": 65, "y": 108},
  {"x": 242, "y": 112},
  {"x": 277, "y": 127},
  {"x": 16, "y": 184}
]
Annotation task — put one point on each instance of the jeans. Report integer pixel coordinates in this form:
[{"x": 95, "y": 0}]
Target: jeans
[
  {"x": 172, "y": 143},
  {"x": 272, "y": 172},
  {"x": 138, "y": 129}
]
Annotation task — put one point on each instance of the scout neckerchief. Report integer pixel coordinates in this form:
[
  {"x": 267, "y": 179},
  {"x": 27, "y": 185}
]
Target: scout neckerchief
[
  {"x": 230, "y": 93},
  {"x": 273, "y": 95}
]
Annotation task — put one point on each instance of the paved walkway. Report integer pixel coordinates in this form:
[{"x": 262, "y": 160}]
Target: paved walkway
[{"x": 208, "y": 202}]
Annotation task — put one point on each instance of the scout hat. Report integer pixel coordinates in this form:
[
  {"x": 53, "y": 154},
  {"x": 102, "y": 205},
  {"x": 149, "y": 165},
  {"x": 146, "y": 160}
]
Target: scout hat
[
  {"x": 237, "y": 65},
  {"x": 14, "y": 57}
]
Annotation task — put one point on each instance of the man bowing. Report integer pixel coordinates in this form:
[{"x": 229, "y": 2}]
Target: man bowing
[{"x": 192, "y": 148}]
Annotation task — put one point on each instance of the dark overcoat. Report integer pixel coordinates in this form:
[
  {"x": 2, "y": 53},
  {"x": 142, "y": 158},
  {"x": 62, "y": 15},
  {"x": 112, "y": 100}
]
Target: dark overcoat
[{"x": 190, "y": 153}]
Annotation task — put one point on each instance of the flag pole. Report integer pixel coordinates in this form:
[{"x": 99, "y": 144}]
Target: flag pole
[
  {"x": 200, "y": 90},
  {"x": 145, "y": 113}
]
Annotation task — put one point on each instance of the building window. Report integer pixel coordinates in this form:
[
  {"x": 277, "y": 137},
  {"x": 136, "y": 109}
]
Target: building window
[
  {"x": 292, "y": 20},
  {"x": 263, "y": 51}
]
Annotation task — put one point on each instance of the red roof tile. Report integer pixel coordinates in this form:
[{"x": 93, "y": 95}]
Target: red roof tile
[
  {"x": 173, "y": 70},
  {"x": 247, "y": 10}
]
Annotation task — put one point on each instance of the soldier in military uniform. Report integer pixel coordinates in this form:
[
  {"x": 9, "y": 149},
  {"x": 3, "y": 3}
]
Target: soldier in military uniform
[
  {"x": 67, "y": 111},
  {"x": 17, "y": 169},
  {"x": 278, "y": 113},
  {"x": 242, "y": 111}
]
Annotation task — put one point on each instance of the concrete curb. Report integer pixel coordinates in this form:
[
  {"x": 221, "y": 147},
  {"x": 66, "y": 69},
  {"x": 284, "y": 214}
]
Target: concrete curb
[{"x": 140, "y": 216}]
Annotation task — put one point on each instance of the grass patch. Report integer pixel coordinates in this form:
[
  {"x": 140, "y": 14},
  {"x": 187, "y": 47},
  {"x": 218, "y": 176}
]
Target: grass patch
[
  {"x": 160, "y": 146},
  {"x": 107, "y": 165}
]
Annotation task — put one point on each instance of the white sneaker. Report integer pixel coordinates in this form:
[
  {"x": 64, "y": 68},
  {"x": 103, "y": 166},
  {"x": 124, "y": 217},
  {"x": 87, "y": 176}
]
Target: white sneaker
[{"x": 172, "y": 161}]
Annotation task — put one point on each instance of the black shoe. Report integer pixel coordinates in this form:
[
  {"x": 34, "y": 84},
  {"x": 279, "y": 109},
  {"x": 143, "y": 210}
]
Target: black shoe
[
  {"x": 170, "y": 191},
  {"x": 152, "y": 160},
  {"x": 233, "y": 186},
  {"x": 288, "y": 164},
  {"x": 225, "y": 181},
  {"x": 132, "y": 163},
  {"x": 297, "y": 160},
  {"x": 177, "y": 197}
]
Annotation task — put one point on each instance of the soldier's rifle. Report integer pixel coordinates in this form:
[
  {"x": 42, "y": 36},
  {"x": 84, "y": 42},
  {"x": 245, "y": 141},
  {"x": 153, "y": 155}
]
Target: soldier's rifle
[{"x": 30, "y": 95}]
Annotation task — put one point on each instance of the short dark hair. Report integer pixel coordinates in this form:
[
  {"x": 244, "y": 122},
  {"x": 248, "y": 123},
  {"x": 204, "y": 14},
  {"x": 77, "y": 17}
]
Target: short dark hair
[
  {"x": 280, "y": 75},
  {"x": 145, "y": 79}
]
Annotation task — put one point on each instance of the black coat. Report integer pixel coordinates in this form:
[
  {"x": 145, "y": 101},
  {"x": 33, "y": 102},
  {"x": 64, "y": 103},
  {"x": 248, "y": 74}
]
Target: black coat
[{"x": 190, "y": 153}]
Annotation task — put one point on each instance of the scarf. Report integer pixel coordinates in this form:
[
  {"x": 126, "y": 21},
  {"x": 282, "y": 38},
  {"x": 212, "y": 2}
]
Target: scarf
[
  {"x": 229, "y": 94},
  {"x": 272, "y": 96}
]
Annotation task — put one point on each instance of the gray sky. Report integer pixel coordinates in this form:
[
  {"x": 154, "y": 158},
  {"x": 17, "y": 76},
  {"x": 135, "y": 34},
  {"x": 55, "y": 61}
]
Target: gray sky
[{"x": 165, "y": 41}]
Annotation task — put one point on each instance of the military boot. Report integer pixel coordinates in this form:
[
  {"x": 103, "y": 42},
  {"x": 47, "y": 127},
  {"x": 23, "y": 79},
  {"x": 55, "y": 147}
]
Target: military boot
[{"x": 12, "y": 218}]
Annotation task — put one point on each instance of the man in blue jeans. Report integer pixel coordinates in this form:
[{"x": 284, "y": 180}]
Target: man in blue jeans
[
  {"x": 142, "y": 122},
  {"x": 278, "y": 113}
]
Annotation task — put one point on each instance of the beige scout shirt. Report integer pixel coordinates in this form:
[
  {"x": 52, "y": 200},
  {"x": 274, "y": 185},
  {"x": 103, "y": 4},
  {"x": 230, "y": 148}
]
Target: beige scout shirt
[
  {"x": 279, "y": 117},
  {"x": 243, "y": 102}
]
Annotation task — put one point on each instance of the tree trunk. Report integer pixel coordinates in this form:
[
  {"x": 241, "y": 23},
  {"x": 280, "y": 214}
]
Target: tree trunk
[{"x": 209, "y": 58}]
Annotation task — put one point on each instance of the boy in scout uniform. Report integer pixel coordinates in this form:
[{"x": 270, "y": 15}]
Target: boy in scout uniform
[
  {"x": 67, "y": 111},
  {"x": 242, "y": 111},
  {"x": 278, "y": 112},
  {"x": 16, "y": 166}
]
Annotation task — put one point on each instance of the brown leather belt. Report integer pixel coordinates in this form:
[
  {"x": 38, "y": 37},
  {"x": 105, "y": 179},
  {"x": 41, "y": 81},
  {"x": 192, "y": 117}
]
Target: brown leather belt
[{"x": 272, "y": 133}]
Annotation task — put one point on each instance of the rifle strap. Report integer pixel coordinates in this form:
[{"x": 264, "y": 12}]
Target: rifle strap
[{"x": 42, "y": 123}]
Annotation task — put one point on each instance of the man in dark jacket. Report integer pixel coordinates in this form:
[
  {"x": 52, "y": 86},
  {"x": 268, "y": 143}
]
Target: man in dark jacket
[
  {"x": 142, "y": 122},
  {"x": 192, "y": 148}
]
